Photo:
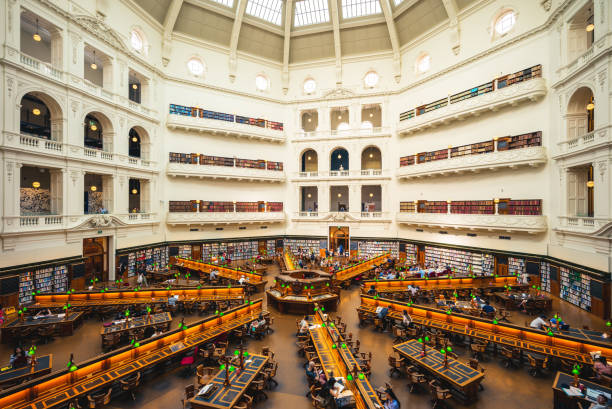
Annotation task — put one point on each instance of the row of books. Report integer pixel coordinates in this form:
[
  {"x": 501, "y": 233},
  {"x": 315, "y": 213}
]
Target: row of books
[
  {"x": 407, "y": 207},
  {"x": 411, "y": 253},
  {"x": 186, "y": 206},
  {"x": 197, "y": 112},
  {"x": 502, "y": 82},
  {"x": 235, "y": 250},
  {"x": 531, "y": 207},
  {"x": 372, "y": 248},
  {"x": 504, "y": 143},
  {"x": 575, "y": 287},
  {"x": 516, "y": 266},
  {"x": 308, "y": 245},
  {"x": 460, "y": 261},
  {"x": 545, "y": 276},
  {"x": 46, "y": 280},
  {"x": 201, "y": 159},
  {"x": 473, "y": 207},
  {"x": 522, "y": 207},
  {"x": 146, "y": 259}
]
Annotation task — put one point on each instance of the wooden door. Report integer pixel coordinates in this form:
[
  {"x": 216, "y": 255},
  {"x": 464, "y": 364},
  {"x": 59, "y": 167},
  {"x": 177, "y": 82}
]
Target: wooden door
[{"x": 196, "y": 251}]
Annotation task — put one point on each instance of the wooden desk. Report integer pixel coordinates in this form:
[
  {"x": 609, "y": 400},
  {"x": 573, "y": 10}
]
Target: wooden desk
[
  {"x": 92, "y": 300},
  {"x": 60, "y": 387},
  {"x": 288, "y": 259},
  {"x": 43, "y": 366},
  {"x": 164, "y": 319},
  {"x": 562, "y": 401},
  {"x": 564, "y": 345},
  {"x": 446, "y": 283},
  {"x": 225, "y": 397},
  {"x": 511, "y": 303},
  {"x": 460, "y": 376},
  {"x": 66, "y": 325},
  {"x": 361, "y": 267},
  {"x": 224, "y": 272},
  {"x": 301, "y": 304},
  {"x": 341, "y": 361}
]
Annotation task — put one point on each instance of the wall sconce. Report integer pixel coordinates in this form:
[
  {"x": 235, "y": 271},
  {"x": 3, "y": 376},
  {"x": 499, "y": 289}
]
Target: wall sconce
[
  {"x": 198, "y": 201},
  {"x": 93, "y": 127},
  {"x": 36, "y": 111},
  {"x": 496, "y": 201},
  {"x": 339, "y": 156},
  {"x": 36, "y": 184},
  {"x": 591, "y": 105},
  {"x": 371, "y": 155},
  {"x": 93, "y": 188},
  {"x": 416, "y": 202},
  {"x": 448, "y": 201},
  {"x": 590, "y": 184},
  {"x": 309, "y": 158}
]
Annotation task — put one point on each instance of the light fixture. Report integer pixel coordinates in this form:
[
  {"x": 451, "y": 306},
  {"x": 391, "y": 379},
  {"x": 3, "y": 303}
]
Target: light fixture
[
  {"x": 134, "y": 191},
  {"x": 371, "y": 115},
  {"x": 339, "y": 156},
  {"x": 134, "y": 139},
  {"x": 37, "y": 36},
  {"x": 339, "y": 194},
  {"x": 134, "y": 86},
  {"x": 590, "y": 184},
  {"x": 93, "y": 188},
  {"x": 36, "y": 184},
  {"x": 93, "y": 65},
  {"x": 590, "y": 27},
  {"x": 339, "y": 116},
  {"x": 448, "y": 201},
  {"x": 496, "y": 201},
  {"x": 591, "y": 105},
  {"x": 371, "y": 194},
  {"x": 36, "y": 111},
  {"x": 371, "y": 155},
  {"x": 93, "y": 127},
  {"x": 309, "y": 119},
  {"x": 309, "y": 195}
]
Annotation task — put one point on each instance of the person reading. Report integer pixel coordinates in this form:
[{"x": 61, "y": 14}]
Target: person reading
[
  {"x": 539, "y": 323},
  {"x": 19, "y": 359}
]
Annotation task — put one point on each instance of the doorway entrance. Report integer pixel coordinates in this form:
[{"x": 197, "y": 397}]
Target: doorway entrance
[
  {"x": 95, "y": 252},
  {"x": 339, "y": 236}
]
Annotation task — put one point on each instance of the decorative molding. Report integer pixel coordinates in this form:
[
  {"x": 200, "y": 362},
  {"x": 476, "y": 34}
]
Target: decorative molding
[
  {"x": 527, "y": 91},
  {"x": 339, "y": 93},
  {"x": 546, "y": 4},
  {"x": 102, "y": 31},
  {"x": 507, "y": 223}
]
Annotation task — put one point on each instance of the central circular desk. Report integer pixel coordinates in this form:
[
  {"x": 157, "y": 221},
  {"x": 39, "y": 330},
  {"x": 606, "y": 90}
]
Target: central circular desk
[{"x": 297, "y": 291}]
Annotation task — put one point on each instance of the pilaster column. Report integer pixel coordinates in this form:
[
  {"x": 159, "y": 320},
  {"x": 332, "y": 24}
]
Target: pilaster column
[
  {"x": 145, "y": 195},
  {"x": 108, "y": 75},
  {"x": 57, "y": 191},
  {"x": 109, "y": 196},
  {"x": 120, "y": 188},
  {"x": 324, "y": 197},
  {"x": 76, "y": 49},
  {"x": 324, "y": 118},
  {"x": 354, "y": 201},
  {"x": 10, "y": 35},
  {"x": 12, "y": 193},
  {"x": 57, "y": 52},
  {"x": 75, "y": 186},
  {"x": 602, "y": 193},
  {"x": 602, "y": 18},
  {"x": 355, "y": 115}
]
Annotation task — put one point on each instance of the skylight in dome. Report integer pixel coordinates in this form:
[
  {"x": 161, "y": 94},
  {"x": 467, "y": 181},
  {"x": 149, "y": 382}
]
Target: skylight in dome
[
  {"x": 268, "y": 10},
  {"x": 311, "y": 12},
  {"x": 228, "y": 3},
  {"x": 358, "y": 8},
  {"x": 398, "y": 2}
]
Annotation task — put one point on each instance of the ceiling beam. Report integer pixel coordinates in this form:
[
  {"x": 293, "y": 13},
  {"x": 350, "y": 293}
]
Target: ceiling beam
[
  {"x": 335, "y": 18},
  {"x": 453, "y": 24},
  {"x": 287, "y": 49},
  {"x": 240, "y": 9},
  {"x": 395, "y": 45},
  {"x": 169, "y": 21}
]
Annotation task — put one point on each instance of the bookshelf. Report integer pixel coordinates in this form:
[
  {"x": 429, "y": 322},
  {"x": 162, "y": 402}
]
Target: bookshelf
[
  {"x": 208, "y": 160},
  {"x": 432, "y": 156},
  {"x": 276, "y": 166},
  {"x": 460, "y": 261},
  {"x": 185, "y": 251},
  {"x": 407, "y": 160},
  {"x": 473, "y": 149},
  {"x": 432, "y": 207},
  {"x": 249, "y": 207},
  {"x": 26, "y": 287},
  {"x": 545, "y": 276},
  {"x": 411, "y": 253},
  {"x": 407, "y": 207},
  {"x": 575, "y": 288},
  {"x": 516, "y": 266},
  {"x": 520, "y": 141},
  {"x": 372, "y": 248},
  {"x": 525, "y": 207},
  {"x": 216, "y": 160},
  {"x": 502, "y": 82},
  {"x": 488, "y": 264},
  {"x": 275, "y": 206},
  {"x": 196, "y": 112},
  {"x": 180, "y": 206},
  {"x": 271, "y": 247},
  {"x": 221, "y": 207},
  {"x": 310, "y": 245},
  {"x": 473, "y": 207},
  {"x": 250, "y": 163}
]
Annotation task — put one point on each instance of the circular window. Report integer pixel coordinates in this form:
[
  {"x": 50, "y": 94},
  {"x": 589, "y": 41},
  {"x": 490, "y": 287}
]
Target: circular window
[
  {"x": 423, "y": 63},
  {"x": 371, "y": 79},
  {"x": 136, "y": 40},
  {"x": 195, "y": 66},
  {"x": 310, "y": 86},
  {"x": 505, "y": 22},
  {"x": 261, "y": 82}
]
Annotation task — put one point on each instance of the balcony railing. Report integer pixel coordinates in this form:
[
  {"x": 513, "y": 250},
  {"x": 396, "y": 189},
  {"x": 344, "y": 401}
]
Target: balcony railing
[
  {"x": 332, "y": 174},
  {"x": 23, "y": 142},
  {"x": 363, "y": 217},
  {"x": 591, "y": 140},
  {"x": 347, "y": 133},
  {"x": 582, "y": 225},
  {"x": 489, "y": 222}
]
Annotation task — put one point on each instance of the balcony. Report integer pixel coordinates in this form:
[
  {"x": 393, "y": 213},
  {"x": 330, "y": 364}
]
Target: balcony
[
  {"x": 600, "y": 48},
  {"x": 40, "y": 146},
  {"x": 325, "y": 217},
  {"x": 42, "y": 223},
  {"x": 526, "y": 91},
  {"x": 338, "y": 175},
  {"x": 223, "y": 218},
  {"x": 532, "y": 156},
  {"x": 593, "y": 140},
  {"x": 224, "y": 172},
  {"x": 302, "y": 136},
  {"x": 591, "y": 226},
  {"x": 488, "y": 222},
  {"x": 223, "y": 128}
]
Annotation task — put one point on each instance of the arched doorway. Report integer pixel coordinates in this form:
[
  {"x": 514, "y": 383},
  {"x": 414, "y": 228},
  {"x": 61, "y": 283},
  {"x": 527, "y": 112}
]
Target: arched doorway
[
  {"x": 580, "y": 115},
  {"x": 310, "y": 161},
  {"x": 339, "y": 236},
  {"x": 339, "y": 160},
  {"x": 95, "y": 253}
]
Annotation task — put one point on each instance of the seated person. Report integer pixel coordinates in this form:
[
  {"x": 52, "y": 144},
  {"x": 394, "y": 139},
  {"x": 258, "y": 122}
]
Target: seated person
[
  {"x": 19, "y": 359},
  {"x": 214, "y": 274},
  {"x": 43, "y": 313},
  {"x": 602, "y": 403},
  {"x": 390, "y": 401},
  {"x": 303, "y": 326},
  {"x": 242, "y": 280},
  {"x": 391, "y": 275},
  {"x": 382, "y": 313},
  {"x": 487, "y": 308},
  {"x": 311, "y": 372},
  {"x": 522, "y": 305},
  {"x": 406, "y": 319},
  {"x": 539, "y": 323},
  {"x": 372, "y": 290},
  {"x": 441, "y": 301},
  {"x": 557, "y": 322},
  {"x": 601, "y": 367}
]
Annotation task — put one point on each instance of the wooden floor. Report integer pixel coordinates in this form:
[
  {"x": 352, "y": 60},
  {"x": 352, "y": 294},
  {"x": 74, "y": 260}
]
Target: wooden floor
[{"x": 504, "y": 388}]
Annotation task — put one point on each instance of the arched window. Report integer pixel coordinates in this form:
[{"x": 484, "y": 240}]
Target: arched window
[
  {"x": 138, "y": 41},
  {"x": 310, "y": 161},
  {"x": 93, "y": 133},
  {"x": 339, "y": 160},
  {"x": 134, "y": 144},
  {"x": 371, "y": 158},
  {"x": 504, "y": 22},
  {"x": 580, "y": 114},
  {"x": 35, "y": 117}
]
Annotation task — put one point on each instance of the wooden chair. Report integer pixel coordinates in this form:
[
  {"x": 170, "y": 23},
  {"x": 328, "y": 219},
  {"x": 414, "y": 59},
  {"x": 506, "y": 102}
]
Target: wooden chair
[
  {"x": 99, "y": 400},
  {"x": 356, "y": 347},
  {"x": 258, "y": 386},
  {"x": 438, "y": 394},
  {"x": 399, "y": 334},
  {"x": 415, "y": 378},
  {"x": 204, "y": 374},
  {"x": 189, "y": 393},
  {"x": 270, "y": 374},
  {"x": 378, "y": 325},
  {"x": 510, "y": 356},
  {"x": 478, "y": 350},
  {"x": 504, "y": 315},
  {"x": 475, "y": 365},
  {"x": 246, "y": 400},
  {"x": 395, "y": 366},
  {"x": 536, "y": 365},
  {"x": 130, "y": 384}
]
